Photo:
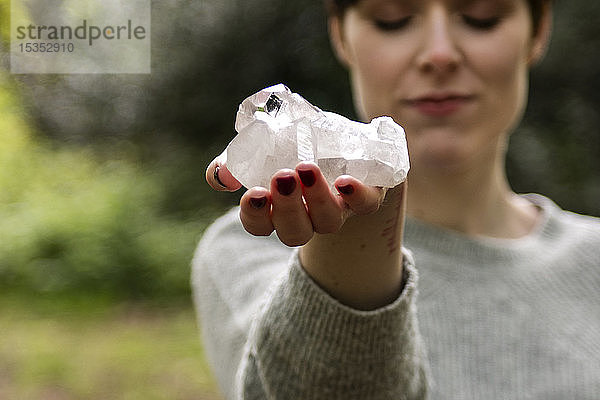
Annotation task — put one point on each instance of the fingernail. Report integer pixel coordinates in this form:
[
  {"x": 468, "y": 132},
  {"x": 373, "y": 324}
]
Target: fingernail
[
  {"x": 286, "y": 185},
  {"x": 345, "y": 189},
  {"x": 216, "y": 176},
  {"x": 258, "y": 202},
  {"x": 307, "y": 177}
]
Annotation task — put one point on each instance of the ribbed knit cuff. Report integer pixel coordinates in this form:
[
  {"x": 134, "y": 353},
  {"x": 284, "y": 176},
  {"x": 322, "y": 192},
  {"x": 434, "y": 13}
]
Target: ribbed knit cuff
[{"x": 308, "y": 345}]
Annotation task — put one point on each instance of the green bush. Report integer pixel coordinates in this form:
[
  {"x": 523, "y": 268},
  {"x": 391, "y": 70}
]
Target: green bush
[{"x": 71, "y": 220}]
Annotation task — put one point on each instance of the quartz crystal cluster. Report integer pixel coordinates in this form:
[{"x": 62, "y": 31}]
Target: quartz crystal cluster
[{"x": 278, "y": 129}]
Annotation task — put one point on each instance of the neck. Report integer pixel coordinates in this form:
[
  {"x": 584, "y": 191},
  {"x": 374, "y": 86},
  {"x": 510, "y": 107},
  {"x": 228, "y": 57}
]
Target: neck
[{"x": 474, "y": 201}]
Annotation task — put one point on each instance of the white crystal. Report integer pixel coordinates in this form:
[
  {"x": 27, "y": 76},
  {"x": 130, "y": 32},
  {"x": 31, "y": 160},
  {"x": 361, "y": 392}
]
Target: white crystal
[{"x": 278, "y": 129}]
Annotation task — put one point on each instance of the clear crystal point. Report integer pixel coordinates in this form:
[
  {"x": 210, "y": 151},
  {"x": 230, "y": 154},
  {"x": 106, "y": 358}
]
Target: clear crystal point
[{"x": 278, "y": 129}]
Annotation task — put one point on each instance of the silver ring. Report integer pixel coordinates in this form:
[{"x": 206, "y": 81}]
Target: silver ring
[{"x": 216, "y": 176}]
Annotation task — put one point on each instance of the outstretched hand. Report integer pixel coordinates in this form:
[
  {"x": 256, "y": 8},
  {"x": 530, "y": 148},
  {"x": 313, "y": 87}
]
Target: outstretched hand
[
  {"x": 357, "y": 260},
  {"x": 298, "y": 203}
]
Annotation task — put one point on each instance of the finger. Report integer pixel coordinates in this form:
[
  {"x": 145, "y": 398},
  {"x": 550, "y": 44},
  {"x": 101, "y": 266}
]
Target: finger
[
  {"x": 255, "y": 211},
  {"x": 219, "y": 177},
  {"x": 288, "y": 213},
  {"x": 327, "y": 211},
  {"x": 360, "y": 198}
]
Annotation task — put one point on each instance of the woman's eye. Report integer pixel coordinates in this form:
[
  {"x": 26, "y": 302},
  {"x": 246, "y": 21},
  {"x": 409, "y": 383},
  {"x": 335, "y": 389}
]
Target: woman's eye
[
  {"x": 481, "y": 23},
  {"x": 389, "y": 26}
]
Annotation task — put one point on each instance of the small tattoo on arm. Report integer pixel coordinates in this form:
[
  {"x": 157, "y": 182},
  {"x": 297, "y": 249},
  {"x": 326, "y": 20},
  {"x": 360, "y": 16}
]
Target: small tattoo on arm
[{"x": 391, "y": 230}]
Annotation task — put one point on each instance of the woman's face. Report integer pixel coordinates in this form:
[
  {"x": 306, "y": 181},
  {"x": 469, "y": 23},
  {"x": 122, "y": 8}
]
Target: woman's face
[{"x": 453, "y": 73}]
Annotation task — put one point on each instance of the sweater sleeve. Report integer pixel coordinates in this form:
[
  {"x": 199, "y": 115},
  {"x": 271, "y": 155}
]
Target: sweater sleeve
[
  {"x": 304, "y": 344},
  {"x": 270, "y": 332}
]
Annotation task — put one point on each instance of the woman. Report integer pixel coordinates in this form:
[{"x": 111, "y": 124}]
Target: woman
[{"x": 508, "y": 304}]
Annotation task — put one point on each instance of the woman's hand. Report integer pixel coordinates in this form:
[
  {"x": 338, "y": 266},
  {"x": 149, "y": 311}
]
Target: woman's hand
[
  {"x": 351, "y": 240},
  {"x": 298, "y": 203}
]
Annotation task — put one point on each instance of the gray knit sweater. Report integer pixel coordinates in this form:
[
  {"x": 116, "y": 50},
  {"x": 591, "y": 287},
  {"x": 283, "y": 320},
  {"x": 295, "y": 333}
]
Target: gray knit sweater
[{"x": 497, "y": 319}]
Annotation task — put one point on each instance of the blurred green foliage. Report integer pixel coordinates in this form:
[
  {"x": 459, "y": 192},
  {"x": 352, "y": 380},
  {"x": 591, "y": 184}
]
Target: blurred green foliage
[{"x": 73, "y": 221}]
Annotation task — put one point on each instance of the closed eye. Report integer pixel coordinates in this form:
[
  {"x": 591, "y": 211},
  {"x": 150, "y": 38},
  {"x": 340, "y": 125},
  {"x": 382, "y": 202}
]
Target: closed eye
[
  {"x": 389, "y": 26},
  {"x": 481, "y": 23}
]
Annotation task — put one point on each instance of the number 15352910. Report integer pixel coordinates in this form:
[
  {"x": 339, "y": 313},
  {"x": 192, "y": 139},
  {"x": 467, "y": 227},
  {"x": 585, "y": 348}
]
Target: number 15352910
[{"x": 44, "y": 47}]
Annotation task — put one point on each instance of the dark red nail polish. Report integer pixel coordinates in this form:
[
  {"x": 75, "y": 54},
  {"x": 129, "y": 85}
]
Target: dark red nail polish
[
  {"x": 286, "y": 185},
  {"x": 307, "y": 177},
  {"x": 258, "y": 202},
  {"x": 345, "y": 189}
]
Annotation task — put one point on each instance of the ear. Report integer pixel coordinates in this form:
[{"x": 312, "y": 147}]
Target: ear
[
  {"x": 336, "y": 36},
  {"x": 541, "y": 39}
]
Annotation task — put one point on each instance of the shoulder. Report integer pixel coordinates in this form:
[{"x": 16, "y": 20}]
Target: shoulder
[
  {"x": 231, "y": 269},
  {"x": 224, "y": 229},
  {"x": 582, "y": 224},
  {"x": 228, "y": 256},
  {"x": 575, "y": 233},
  {"x": 567, "y": 222},
  {"x": 226, "y": 240}
]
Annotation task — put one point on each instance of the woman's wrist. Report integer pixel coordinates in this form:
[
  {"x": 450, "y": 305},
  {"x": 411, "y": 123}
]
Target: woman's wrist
[{"x": 361, "y": 265}]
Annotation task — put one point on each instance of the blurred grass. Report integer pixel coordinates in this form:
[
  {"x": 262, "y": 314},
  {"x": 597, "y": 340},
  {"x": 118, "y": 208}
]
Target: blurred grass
[{"x": 89, "y": 347}]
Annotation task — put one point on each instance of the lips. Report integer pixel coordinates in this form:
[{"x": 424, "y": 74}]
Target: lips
[{"x": 439, "y": 105}]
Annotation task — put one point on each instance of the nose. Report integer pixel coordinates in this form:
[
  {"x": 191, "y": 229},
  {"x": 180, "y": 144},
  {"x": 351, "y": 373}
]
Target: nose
[{"x": 439, "y": 51}]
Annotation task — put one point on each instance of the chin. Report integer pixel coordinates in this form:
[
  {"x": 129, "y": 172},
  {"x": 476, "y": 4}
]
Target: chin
[{"x": 447, "y": 154}]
